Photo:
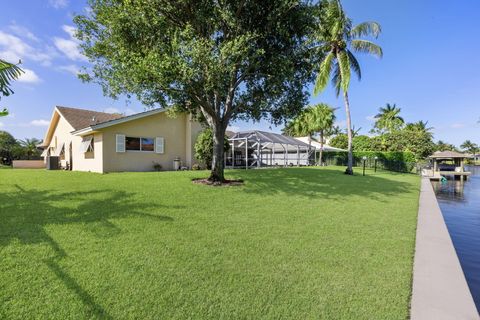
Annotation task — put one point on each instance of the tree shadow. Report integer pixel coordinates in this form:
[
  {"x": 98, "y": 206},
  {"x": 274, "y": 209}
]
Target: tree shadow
[
  {"x": 325, "y": 183},
  {"x": 25, "y": 214}
]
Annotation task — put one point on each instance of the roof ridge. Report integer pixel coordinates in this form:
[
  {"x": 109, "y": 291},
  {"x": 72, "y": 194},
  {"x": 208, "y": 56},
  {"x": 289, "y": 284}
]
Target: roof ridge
[{"x": 89, "y": 110}]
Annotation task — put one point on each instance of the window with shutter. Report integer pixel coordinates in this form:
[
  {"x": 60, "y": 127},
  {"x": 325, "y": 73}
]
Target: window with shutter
[
  {"x": 159, "y": 145},
  {"x": 120, "y": 145}
]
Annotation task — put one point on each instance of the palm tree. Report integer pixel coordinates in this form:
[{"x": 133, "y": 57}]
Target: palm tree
[
  {"x": 338, "y": 40},
  {"x": 322, "y": 119},
  {"x": 355, "y": 132},
  {"x": 470, "y": 147},
  {"x": 444, "y": 146},
  {"x": 8, "y": 72},
  {"x": 315, "y": 119},
  {"x": 420, "y": 126},
  {"x": 388, "y": 119},
  {"x": 30, "y": 147}
]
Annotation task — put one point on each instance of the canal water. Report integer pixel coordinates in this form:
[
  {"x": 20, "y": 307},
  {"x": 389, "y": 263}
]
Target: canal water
[{"x": 460, "y": 205}]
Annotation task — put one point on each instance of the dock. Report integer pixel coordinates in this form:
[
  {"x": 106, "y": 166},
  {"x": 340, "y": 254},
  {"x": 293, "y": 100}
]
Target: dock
[{"x": 447, "y": 164}]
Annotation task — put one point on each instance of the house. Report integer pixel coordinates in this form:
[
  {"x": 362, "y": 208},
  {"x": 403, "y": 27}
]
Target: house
[{"x": 86, "y": 140}]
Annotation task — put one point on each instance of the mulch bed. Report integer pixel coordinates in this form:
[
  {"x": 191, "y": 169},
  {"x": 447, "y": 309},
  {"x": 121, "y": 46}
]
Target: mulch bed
[{"x": 226, "y": 183}]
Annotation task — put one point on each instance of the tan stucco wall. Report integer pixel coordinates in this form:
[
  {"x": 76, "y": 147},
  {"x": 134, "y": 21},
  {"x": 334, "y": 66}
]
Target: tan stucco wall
[
  {"x": 61, "y": 134},
  {"x": 174, "y": 130},
  {"x": 92, "y": 162}
]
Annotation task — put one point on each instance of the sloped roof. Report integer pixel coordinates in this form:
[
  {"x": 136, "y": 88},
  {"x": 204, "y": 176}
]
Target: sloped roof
[
  {"x": 318, "y": 146},
  {"x": 112, "y": 122},
  {"x": 263, "y": 136},
  {"x": 447, "y": 155},
  {"x": 81, "y": 118}
]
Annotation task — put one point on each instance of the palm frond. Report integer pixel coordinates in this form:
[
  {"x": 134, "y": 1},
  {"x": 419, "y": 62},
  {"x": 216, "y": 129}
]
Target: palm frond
[
  {"x": 354, "y": 64},
  {"x": 3, "y": 112},
  {"x": 366, "y": 46},
  {"x": 369, "y": 28},
  {"x": 323, "y": 74},
  {"x": 344, "y": 66},
  {"x": 336, "y": 78},
  {"x": 8, "y": 72}
]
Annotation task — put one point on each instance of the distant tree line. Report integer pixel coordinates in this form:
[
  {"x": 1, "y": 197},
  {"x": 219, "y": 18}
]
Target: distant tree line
[
  {"x": 13, "y": 149},
  {"x": 390, "y": 133}
]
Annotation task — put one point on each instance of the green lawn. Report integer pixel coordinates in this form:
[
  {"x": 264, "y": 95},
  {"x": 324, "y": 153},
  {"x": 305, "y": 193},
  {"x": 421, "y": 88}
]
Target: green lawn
[{"x": 300, "y": 243}]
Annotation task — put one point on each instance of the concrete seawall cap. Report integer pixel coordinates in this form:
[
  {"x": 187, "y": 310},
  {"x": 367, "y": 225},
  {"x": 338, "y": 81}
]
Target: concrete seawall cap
[{"x": 440, "y": 290}]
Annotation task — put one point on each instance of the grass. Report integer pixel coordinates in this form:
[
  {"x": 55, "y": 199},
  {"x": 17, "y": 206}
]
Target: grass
[{"x": 300, "y": 243}]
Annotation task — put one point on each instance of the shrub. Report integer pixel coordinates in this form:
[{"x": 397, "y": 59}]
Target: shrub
[
  {"x": 204, "y": 147},
  {"x": 196, "y": 167},
  {"x": 157, "y": 166}
]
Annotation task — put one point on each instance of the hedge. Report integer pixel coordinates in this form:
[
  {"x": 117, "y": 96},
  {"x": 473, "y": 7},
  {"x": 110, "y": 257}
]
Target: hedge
[{"x": 388, "y": 160}]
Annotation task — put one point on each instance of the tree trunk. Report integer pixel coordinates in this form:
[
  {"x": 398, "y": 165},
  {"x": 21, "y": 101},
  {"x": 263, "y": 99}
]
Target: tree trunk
[
  {"x": 309, "y": 147},
  {"x": 349, "y": 135},
  {"x": 321, "y": 148},
  {"x": 217, "y": 175}
]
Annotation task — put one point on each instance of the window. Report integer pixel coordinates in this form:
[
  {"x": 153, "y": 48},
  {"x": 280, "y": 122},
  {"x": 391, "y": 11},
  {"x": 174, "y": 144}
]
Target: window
[
  {"x": 87, "y": 144},
  {"x": 132, "y": 144},
  {"x": 139, "y": 144},
  {"x": 147, "y": 144}
]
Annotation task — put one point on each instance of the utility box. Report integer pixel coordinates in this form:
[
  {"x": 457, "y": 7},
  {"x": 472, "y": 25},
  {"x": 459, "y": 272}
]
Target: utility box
[{"x": 53, "y": 163}]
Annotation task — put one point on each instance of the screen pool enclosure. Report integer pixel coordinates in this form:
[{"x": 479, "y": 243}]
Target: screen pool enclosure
[{"x": 256, "y": 149}]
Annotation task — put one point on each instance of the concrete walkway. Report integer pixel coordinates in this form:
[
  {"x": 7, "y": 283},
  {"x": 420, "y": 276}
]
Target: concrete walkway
[{"x": 440, "y": 290}]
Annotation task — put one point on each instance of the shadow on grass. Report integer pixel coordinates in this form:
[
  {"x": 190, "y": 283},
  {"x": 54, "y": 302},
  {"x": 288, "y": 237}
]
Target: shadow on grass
[
  {"x": 324, "y": 182},
  {"x": 24, "y": 214}
]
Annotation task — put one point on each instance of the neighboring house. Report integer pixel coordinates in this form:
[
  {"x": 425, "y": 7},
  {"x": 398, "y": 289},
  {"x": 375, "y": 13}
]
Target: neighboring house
[
  {"x": 315, "y": 144},
  {"x": 101, "y": 142}
]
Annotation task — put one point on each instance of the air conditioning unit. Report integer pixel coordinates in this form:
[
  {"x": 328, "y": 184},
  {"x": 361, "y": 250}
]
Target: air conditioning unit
[{"x": 53, "y": 163}]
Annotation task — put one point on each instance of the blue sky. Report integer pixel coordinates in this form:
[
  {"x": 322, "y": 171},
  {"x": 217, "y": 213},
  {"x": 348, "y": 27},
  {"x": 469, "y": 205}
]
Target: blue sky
[{"x": 430, "y": 67}]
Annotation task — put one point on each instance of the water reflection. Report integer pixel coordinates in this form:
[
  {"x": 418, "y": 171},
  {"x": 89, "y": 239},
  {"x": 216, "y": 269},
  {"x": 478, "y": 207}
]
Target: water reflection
[{"x": 460, "y": 205}]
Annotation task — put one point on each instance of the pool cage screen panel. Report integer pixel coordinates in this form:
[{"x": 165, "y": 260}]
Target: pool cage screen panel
[{"x": 256, "y": 149}]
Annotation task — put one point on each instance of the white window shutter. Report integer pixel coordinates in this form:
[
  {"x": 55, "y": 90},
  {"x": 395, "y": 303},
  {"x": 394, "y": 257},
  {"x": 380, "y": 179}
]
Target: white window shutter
[
  {"x": 159, "y": 145},
  {"x": 120, "y": 143}
]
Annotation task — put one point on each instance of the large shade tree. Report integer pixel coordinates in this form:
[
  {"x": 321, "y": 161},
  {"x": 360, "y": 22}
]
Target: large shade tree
[
  {"x": 8, "y": 72},
  {"x": 219, "y": 60},
  {"x": 339, "y": 39}
]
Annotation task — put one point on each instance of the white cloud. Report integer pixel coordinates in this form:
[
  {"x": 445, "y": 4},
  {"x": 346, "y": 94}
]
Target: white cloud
[
  {"x": 58, "y": 4},
  {"x": 29, "y": 76},
  {"x": 457, "y": 125},
  {"x": 12, "y": 49},
  {"x": 370, "y": 118},
  {"x": 71, "y": 68},
  {"x": 69, "y": 47},
  {"x": 1, "y": 124},
  {"x": 40, "y": 123},
  {"x": 22, "y": 32}
]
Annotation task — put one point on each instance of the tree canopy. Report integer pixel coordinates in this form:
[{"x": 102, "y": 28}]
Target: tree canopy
[
  {"x": 8, "y": 72},
  {"x": 388, "y": 119},
  {"x": 219, "y": 60}
]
